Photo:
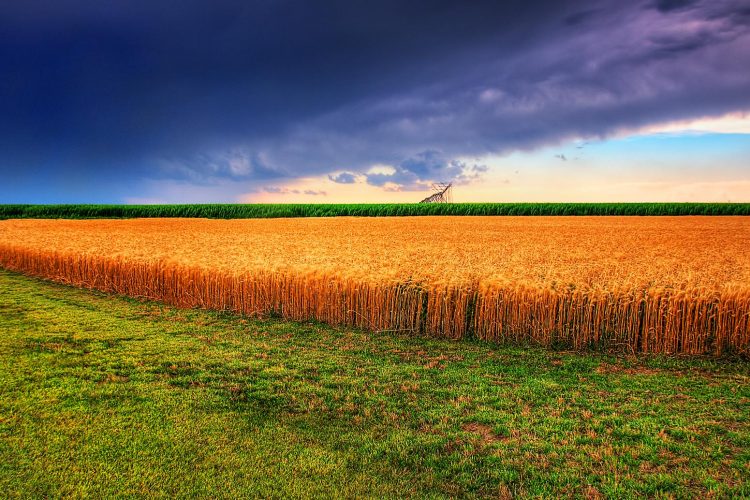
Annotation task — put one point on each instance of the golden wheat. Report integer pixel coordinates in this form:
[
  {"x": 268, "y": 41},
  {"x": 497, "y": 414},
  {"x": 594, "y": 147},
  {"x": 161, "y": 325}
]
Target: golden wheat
[{"x": 653, "y": 284}]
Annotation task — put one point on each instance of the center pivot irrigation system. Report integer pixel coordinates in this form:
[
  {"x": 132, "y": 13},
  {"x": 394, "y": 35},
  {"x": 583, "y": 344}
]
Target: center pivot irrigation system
[{"x": 442, "y": 193}]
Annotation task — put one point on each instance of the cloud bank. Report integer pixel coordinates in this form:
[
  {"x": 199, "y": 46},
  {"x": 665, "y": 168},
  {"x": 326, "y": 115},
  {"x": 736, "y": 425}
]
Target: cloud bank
[{"x": 99, "y": 97}]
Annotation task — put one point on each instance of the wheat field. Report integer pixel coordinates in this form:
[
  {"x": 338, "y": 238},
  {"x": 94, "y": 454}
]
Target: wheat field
[{"x": 641, "y": 284}]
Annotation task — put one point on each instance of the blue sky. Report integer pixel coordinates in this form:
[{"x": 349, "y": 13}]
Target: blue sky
[{"x": 335, "y": 101}]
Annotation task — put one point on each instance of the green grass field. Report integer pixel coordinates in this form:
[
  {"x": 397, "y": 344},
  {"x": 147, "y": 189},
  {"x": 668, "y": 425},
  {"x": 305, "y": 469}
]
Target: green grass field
[
  {"x": 104, "y": 396},
  {"x": 252, "y": 211}
]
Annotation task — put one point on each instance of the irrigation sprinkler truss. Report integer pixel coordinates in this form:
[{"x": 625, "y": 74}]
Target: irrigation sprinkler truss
[{"x": 442, "y": 193}]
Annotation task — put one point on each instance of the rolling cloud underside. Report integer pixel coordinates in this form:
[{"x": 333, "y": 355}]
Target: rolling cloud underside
[{"x": 267, "y": 91}]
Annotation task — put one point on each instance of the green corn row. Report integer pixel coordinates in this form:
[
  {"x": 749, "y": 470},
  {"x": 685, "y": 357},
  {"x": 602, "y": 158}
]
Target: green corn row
[{"x": 258, "y": 211}]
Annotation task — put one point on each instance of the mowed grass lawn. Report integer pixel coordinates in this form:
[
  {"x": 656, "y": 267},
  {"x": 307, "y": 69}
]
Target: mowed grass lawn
[{"x": 103, "y": 396}]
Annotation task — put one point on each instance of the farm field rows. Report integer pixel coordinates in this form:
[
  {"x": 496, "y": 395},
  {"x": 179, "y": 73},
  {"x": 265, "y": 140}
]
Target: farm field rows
[{"x": 654, "y": 284}]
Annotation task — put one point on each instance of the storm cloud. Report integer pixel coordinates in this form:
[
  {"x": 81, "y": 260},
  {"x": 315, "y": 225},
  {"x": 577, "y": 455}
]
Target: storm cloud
[{"x": 97, "y": 97}]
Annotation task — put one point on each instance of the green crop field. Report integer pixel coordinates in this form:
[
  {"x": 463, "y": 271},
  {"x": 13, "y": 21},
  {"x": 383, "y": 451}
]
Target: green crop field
[
  {"x": 249, "y": 211},
  {"x": 105, "y": 396}
]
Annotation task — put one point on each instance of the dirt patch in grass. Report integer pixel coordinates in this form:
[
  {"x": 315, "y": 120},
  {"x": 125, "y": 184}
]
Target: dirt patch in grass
[{"x": 486, "y": 435}]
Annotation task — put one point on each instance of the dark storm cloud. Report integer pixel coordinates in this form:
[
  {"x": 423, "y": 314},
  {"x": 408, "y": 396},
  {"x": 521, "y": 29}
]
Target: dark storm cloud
[
  {"x": 111, "y": 93},
  {"x": 669, "y": 5},
  {"x": 236, "y": 164},
  {"x": 579, "y": 17}
]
